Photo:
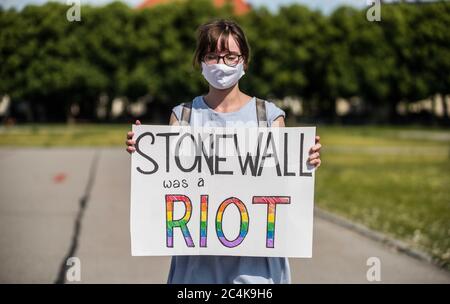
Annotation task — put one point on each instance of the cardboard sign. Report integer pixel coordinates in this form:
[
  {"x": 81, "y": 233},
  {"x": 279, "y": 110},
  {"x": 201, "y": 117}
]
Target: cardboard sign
[{"x": 222, "y": 191}]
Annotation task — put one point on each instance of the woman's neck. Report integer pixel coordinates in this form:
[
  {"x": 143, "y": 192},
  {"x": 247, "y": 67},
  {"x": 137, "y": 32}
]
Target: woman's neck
[{"x": 228, "y": 100}]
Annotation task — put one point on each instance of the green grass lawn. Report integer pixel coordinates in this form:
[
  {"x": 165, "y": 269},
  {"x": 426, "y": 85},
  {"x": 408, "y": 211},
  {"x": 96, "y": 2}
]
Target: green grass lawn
[
  {"x": 394, "y": 180},
  {"x": 390, "y": 180},
  {"x": 62, "y": 135}
]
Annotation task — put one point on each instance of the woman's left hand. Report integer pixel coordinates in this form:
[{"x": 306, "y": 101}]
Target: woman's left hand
[{"x": 314, "y": 154}]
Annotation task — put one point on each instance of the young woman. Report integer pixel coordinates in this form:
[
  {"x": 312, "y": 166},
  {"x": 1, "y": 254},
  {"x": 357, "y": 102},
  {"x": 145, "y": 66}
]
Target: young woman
[{"x": 223, "y": 54}]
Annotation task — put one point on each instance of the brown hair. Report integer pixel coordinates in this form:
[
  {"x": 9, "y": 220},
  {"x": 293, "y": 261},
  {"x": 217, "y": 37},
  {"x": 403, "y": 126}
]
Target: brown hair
[{"x": 209, "y": 33}]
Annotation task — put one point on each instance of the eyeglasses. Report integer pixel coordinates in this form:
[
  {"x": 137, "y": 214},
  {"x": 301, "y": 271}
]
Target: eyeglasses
[{"x": 230, "y": 59}]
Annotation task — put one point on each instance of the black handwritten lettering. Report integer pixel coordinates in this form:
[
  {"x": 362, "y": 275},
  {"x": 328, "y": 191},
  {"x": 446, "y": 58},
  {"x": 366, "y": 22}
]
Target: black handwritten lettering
[
  {"x": 139, "y": 151},
  {"x": 221, "y": 159},
  {"x": 250, "y": 161},
  {"x": 267, "y": 155},
  {"x": 197, "y": 158},
  {"x": 167, "y": 136},
  {"x": 286, "y": 159},
  {"x": 209, "y": 147},
  {"x": 302, "y": 138}
]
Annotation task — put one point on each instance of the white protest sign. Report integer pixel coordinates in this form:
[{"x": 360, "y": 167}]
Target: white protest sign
[{"x": 222, "y": 191}]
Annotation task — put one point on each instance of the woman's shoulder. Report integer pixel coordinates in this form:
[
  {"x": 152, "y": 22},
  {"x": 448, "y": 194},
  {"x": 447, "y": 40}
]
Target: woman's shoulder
[
  {"x": 273, "y": 111},
  {"x": 179, "y": 108}
]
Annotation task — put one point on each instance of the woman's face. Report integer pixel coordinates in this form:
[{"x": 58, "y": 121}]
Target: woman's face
[{"x": 233, "y": 47}]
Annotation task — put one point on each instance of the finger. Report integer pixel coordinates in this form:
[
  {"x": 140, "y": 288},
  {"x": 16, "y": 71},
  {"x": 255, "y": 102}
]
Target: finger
[
  {"x": 130, "y": 135},
  {"x": 317, "y": 139},
  {"x": 314, "y": 156},
  {"x": 315, "y": 148},
  {"x": 130, "y": 149},
  {"x": 138, "y": 122},
  {"x": 130, "y": 142},
  {"x": 315, "y": 162},
  {"x": 318, "y": 163}
]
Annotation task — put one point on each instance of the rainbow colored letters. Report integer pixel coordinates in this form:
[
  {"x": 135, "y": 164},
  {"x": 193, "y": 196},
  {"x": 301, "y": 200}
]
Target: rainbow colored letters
[{"x": 182, "y": 223}]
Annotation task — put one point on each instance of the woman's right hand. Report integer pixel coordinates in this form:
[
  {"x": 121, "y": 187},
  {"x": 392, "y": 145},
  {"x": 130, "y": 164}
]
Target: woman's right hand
[{"x": 130, "y": 142}]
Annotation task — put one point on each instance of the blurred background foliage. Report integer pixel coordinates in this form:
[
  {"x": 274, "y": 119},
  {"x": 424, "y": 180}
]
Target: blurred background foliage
[{"x": 55, "y": 71}]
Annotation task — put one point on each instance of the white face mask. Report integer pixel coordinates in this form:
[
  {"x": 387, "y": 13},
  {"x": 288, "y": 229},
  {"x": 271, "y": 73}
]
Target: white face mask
[{"x": 222, "y": 76}]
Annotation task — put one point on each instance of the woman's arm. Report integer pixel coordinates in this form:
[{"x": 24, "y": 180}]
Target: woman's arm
[{"x": 314, "y": 152}]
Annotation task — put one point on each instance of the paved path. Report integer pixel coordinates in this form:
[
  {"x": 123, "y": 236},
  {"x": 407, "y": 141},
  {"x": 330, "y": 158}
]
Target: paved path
[{"x": 61, "y": 202}]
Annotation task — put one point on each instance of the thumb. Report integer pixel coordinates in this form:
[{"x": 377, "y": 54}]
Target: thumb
[{"x": 138, "y": 122}]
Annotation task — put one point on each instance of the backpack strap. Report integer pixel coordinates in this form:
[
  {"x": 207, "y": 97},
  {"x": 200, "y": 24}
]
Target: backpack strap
[
  {"x": 186, "y": 114},
  {"x": 261, "y": 113}
]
